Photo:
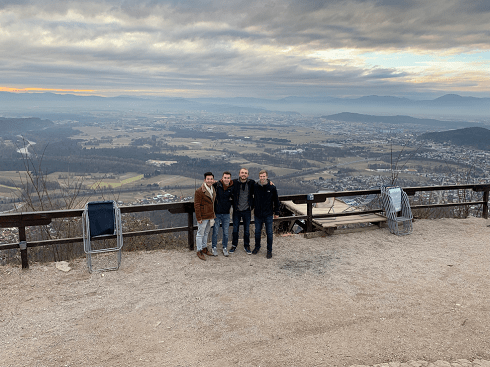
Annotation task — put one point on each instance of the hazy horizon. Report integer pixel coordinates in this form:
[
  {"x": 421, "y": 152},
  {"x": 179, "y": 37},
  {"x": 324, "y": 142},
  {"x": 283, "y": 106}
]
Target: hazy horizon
[{"x": 49, "y": 104}]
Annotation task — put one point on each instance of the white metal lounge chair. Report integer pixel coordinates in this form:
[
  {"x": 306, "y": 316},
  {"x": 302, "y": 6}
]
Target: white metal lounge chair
[
  {"x": 327, "y": 204},
  {"x": 397, "y": 210},
  {"x": 102, "y": 219},
  {"x": 362, "y": 203}
]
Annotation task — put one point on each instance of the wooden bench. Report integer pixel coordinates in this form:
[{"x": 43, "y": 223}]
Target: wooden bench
[{"x": 330, "y": 224}]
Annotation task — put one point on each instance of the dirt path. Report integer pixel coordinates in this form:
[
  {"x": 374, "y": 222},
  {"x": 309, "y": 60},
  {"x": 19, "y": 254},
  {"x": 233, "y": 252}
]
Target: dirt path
[{"x": 353, "y": 299}]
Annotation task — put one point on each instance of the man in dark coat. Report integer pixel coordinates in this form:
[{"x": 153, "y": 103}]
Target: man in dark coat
[
  {"x": 222, "y": 205},
  {"x": 266, "y": 203},
  {"x": 242, "y": 209}
]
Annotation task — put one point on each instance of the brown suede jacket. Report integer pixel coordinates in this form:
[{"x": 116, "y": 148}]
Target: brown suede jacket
[{"x": 204, "y": 203}]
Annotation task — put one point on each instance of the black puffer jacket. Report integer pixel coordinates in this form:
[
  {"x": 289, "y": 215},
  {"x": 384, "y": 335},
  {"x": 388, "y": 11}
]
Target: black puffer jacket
[{"x": 224, "y": 198}]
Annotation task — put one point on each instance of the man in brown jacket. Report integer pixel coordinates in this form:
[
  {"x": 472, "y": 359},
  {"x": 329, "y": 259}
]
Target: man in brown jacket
[{"x": 204, "y": 208}]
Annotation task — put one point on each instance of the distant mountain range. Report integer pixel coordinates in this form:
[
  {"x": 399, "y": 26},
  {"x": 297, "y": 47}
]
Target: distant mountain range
[
  {"x": 53, "y": 103},
  {"x": 476, "y": 137},
  {"x": 449, "y": 106}
]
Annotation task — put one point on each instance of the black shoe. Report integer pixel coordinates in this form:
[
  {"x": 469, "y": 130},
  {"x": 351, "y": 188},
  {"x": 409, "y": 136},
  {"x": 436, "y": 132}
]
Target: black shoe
[
  {"x": 247, "y": 250},
  {"x": 256, "y": 250},
  {"x": 269, "y": 254},
  {"x": 232, "y": 250}
]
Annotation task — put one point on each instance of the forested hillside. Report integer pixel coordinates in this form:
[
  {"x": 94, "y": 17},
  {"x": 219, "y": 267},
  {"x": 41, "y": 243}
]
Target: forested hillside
[
  {"x": 21, "y": 125},
  {"x": 476, "y": 137}
]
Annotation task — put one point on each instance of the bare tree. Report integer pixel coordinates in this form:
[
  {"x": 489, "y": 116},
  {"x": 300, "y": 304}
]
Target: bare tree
[{"x": 37, "y": 193}]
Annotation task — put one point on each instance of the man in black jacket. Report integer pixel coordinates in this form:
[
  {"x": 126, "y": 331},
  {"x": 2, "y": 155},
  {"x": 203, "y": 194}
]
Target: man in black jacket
[
  {"x": 222, "y": 205},
  {"x": 266, "y": 202},
  {"x": 242, "y": 209}
]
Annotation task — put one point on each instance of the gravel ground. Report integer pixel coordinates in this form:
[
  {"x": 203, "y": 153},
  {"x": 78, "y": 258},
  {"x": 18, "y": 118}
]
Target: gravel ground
[{"x": 359, "y": 299}]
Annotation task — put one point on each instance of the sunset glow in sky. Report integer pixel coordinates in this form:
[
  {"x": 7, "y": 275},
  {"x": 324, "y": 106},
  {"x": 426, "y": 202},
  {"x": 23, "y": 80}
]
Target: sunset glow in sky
[
  {"x": 23, "y": 90},
  {"x": 271, "y": 49}
]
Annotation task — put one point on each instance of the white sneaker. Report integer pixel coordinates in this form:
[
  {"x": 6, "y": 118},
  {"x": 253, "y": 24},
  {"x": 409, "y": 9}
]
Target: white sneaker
[
  {"x": 215, "y": 251},
  {"x": 225, "y": 252}
]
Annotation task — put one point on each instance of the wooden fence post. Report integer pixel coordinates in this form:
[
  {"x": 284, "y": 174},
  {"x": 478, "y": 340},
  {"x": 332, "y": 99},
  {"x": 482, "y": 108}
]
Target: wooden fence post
[
  {"x": 190, "y": 230},
  {"x": 485, "y": 204},
  {"x": 309, "y": 213},
  {"x": 23, "y": 247}
]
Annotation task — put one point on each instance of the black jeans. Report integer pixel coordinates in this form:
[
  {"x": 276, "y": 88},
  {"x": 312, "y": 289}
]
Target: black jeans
[
  {"x": 246, "y": 216},
  {"x": 268, "y": 221}
]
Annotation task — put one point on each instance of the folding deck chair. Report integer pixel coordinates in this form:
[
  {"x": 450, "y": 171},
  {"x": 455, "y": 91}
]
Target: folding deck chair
[
  {"x": 327, "y": 204},
  {"x": 362, "y": 203},
  {"x": 101, "y": 219},
  {"x": 397, "y": 210}
]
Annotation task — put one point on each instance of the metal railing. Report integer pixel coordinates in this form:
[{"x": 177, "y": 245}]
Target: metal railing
[{"x": 23, "y": 220}]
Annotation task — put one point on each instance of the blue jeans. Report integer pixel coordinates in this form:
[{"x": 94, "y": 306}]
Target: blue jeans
[
  {"x": 224, "y": 219},
  {"x": 268, "y": 230},
  {"x": 202, "y": 234},
  {"x": 246, "y": 215}
]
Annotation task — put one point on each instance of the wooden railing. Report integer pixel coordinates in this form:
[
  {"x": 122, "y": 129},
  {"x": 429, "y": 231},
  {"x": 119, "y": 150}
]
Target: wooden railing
[{"x": 23, "y": 220}]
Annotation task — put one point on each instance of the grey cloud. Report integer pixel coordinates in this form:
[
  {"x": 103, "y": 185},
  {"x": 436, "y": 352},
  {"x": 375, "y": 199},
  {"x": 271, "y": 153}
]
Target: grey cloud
[
  {"x": 475, "y": 6},
  {"x": 404, "y": 4},
  {"x": 216, "y": 34},
  {"x": 356, "y": 23},
  {"x": 140, "y": 64},
  {"x": 384, "y": 74},
  {"x": 427, "y": 26},
  {"x": 144, "y": 41},
  {"x": 7, "y": 3}
]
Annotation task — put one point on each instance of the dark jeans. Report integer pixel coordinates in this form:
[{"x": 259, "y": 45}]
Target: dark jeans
[
  {"x": 246, "y": 216},
  {"x": 268, "y": 230}
]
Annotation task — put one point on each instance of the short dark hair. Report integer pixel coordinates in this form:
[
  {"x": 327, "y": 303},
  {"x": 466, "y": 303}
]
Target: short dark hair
[
  {"x": 226, "y": 173},
  {"x": 208, "y": 174}
]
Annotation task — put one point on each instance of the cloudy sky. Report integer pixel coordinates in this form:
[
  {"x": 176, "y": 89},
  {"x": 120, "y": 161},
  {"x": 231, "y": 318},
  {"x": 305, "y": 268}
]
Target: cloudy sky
[{"x": 272, "y": 49}]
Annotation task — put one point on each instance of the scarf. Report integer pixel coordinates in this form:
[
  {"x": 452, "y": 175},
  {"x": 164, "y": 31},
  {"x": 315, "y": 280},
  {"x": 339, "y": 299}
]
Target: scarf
[{"x": 210, "y": 189}]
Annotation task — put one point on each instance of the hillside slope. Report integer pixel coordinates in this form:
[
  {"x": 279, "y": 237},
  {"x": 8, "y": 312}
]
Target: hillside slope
[
  {"x": 20, "y": 125},
  {"x": 476, "y": 137}
]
